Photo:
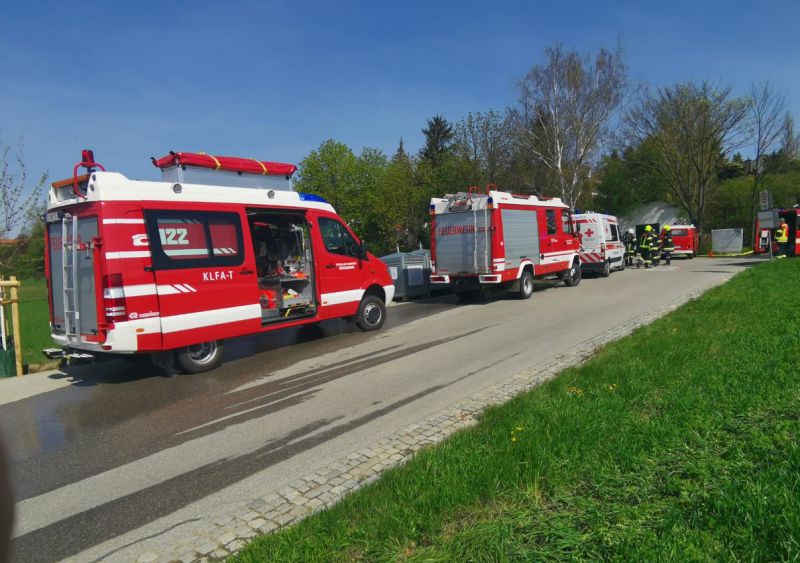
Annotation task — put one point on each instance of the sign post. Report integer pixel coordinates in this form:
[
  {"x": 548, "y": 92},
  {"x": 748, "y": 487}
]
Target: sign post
[
  {"x": 768, "y": 220},
  {"x": 765, "y": 199}
]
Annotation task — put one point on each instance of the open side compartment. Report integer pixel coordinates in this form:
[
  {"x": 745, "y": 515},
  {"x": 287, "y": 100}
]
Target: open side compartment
[{"x": 284, "y": 264}]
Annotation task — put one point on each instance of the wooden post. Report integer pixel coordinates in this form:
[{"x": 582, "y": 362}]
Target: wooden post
[{"x": 15, "y": 324}]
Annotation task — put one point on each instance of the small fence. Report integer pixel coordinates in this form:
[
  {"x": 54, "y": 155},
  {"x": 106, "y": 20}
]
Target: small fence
[
  {"x": 726, "y": 241},
  {"x": 10, "y": 340}
]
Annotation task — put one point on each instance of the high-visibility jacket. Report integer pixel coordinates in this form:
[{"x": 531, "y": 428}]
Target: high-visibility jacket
[
  {"x": 782, "y": 234},
  {"x": 667, "y": 244}
]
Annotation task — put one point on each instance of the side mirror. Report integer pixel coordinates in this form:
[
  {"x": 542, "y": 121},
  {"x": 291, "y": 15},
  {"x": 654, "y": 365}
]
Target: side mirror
[
  {"x": 577, "y": 227},
  {"x": 362, "y": 251}
]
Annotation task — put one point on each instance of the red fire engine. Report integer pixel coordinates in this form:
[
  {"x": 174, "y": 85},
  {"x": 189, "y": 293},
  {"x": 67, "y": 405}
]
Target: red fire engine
[
  {"x": 763, "y": 236},
  {"x": 221, "y": 247},
  {"x": 684, "y": 240},
  {"x": 499, "y": 239}
]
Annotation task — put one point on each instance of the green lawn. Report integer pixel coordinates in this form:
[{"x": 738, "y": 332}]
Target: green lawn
[
  {"x": 34, "y": 323},
  {"x": 680, "y": 442}
]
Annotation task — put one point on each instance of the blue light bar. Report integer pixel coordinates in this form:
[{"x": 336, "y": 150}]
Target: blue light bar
[{"x": 312, "y": 197}]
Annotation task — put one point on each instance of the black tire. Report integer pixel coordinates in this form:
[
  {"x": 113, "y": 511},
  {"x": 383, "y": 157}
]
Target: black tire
[
  {"x": 606, "y": 271},
  {"x": 572, "y": 277},
  {"x": 200, "y": 357},
  {"x": 371, "y": 313},
  {"x": 525, "y": 290},
  {"x": 691, "y": 255}
]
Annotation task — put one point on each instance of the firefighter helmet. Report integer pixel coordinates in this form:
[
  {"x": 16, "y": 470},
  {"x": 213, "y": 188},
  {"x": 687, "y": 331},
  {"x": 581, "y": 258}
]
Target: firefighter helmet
[
  {"x": 667, "y": 227},
  {"x": 648, "y": 228}
]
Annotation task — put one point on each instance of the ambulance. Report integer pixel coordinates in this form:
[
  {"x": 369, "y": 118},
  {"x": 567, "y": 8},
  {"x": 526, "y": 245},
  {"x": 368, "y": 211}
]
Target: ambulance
[
  {"x": 494, "y": 239},
  {"x": 220, "y": 247},
  {"x": 602, "y": 249}
]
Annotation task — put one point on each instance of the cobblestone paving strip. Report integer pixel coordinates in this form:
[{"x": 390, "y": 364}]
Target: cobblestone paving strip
[{"x": 226, "y": 534}]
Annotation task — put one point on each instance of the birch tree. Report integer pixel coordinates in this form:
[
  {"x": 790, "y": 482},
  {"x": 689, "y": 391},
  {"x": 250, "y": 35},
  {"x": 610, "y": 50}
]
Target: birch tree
[{"x": 563, "y": 109}]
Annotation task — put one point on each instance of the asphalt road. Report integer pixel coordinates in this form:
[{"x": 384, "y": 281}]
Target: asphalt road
[{"x": 116, "y": 453}]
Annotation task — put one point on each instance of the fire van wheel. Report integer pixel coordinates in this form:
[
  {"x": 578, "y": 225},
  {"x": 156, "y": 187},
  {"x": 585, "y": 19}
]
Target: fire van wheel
[
  {"x": 200, "y": 357},
  {"x": 606, "y": 271},
  {"x": 572, "y": 277},
  {"x": 525, "y": 285},
  {"x": 371, "y": 313}
]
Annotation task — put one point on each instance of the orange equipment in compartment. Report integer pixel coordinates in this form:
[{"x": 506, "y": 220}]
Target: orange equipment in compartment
[{"x": 267, "y": 299}]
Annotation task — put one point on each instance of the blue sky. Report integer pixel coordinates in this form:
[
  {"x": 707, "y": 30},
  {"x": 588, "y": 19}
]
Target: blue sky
[{"x": 273, "y": 80}]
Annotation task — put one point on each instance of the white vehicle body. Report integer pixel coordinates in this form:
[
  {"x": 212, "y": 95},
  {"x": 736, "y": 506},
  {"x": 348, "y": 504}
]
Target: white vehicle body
[{"x": 602, "y": 249}]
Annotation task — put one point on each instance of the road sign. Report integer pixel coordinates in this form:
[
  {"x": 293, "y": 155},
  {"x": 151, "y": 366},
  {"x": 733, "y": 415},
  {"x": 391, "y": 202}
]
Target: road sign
[
  {"x": 765, "y": 199},
  {"x": 768, "y": 219}
]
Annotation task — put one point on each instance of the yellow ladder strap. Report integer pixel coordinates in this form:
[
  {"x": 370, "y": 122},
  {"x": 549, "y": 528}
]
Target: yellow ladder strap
[
  {"x": 214, "y": 158},
  {"x": 264, "y": 170}
]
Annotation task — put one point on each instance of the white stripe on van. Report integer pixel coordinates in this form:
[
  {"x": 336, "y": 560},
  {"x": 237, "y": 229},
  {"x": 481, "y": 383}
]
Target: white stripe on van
[
  {"x": 128, "y": 254},
  {"x": 201, "y": 319},
  {"x": 123, "y": 221},
  {"x": 339, "y": 297},
  {"x": 129, "y": 291}
]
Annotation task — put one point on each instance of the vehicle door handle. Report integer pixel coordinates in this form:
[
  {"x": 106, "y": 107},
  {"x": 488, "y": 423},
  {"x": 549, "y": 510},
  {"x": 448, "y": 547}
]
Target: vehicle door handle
[
  {"x": 330, "y": 266},
  {"x": 246, "y": 272}
]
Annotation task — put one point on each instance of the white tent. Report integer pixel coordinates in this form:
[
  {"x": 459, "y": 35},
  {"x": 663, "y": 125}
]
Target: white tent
[{"x": 654, "y": 212}]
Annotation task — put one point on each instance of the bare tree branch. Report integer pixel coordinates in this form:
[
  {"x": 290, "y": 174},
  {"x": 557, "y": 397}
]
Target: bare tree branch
[
  {"x": 18, "y": 198},
  {"x": 692, "y": 127}
]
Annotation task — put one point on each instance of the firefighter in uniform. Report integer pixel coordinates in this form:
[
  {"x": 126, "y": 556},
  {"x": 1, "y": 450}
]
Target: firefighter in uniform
[
  {"x": 667, "y": 246},
  {"x": 782, "y": 238},
  {"x": 655, "y": 247},
  {"x": 629, "y": 240},
  {"x": 644, "y": 246}
]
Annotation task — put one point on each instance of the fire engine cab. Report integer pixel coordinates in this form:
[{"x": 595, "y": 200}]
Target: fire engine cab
[
  {"x": 498, "y": 239},
  {"x": 220, "y": 247}
]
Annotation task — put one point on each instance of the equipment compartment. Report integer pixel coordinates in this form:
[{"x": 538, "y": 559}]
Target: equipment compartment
[{"x": 284, "y": 263}]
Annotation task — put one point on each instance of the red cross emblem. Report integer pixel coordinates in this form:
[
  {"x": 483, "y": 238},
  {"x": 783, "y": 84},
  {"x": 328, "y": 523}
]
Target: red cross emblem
[{"x": 590, "y": 233}]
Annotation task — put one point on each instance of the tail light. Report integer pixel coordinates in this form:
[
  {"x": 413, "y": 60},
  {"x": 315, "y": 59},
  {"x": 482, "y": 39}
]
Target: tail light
[
  {"x": 602, "y": 247},
  {"x": 114, "y": 298}
]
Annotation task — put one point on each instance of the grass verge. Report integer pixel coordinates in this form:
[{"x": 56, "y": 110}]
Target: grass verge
[
  {"x": 34, "y": 321},
  {"x": 680, "y": 442}
]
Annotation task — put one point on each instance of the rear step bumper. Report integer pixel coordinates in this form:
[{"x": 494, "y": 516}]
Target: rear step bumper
[{"x": 67, "y": 354}]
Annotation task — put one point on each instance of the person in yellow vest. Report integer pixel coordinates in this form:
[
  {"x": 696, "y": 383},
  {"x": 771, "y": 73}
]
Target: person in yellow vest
[{"x": 782, "y": 238}]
